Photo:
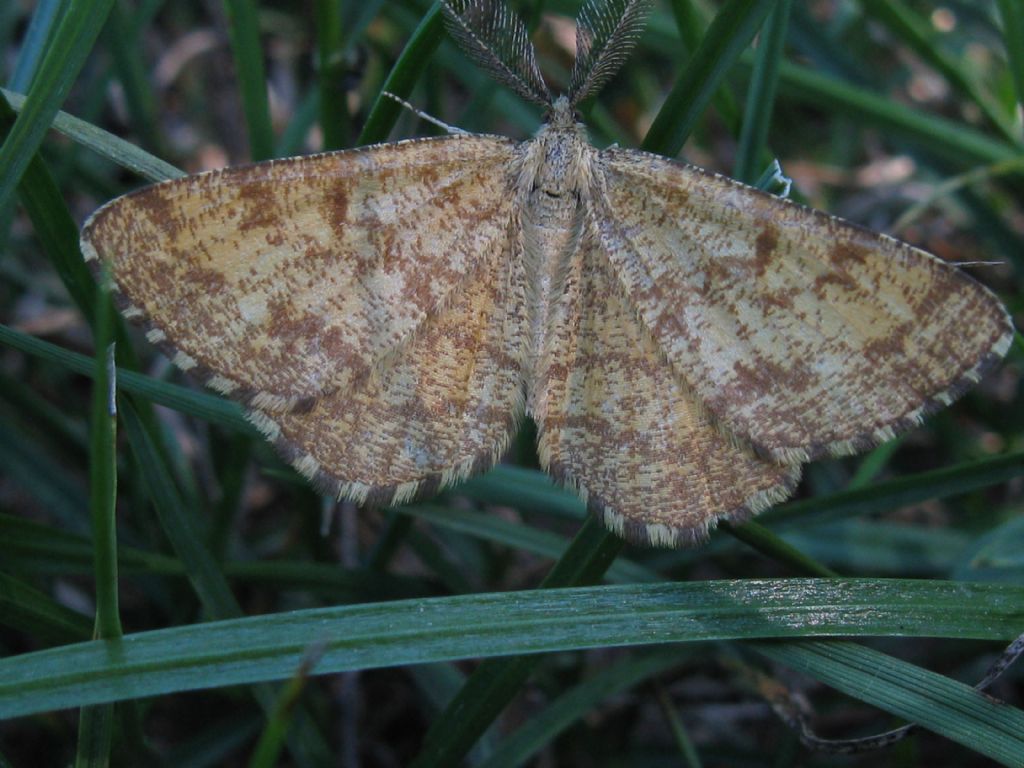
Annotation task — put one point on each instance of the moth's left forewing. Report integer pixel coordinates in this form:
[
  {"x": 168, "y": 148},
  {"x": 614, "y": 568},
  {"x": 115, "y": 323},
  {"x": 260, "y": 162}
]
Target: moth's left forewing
[
  {"x": 283, "y": 281},
  {"x": 801, "y": 333}
]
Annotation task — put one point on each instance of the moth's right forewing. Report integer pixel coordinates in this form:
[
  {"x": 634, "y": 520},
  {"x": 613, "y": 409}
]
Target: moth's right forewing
[
  {"x": 802, "y": 333},
  {"x": 279, "y": 282}
]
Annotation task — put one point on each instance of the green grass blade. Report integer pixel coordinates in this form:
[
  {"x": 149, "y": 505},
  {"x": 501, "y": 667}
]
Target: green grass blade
[
  {"x": 53, "y": 224},
  {"x": 123, "y": 44},
  {"x": 944, "y": 706},
  {"x": 44, "y": 550},
  {"x": 691, "y": 25},
  {"x": 271, "y": 742},
  {"x": 244, "y": 31},
  {"x": 757, "y": 114},
  {"x": 45, "y": 18},
  {"x": 1012, "y": 15},
  {"x": 729, "y": 34},
  {"x": 934, "y": 484},
  {"x": 948, "y": 139},
  {"x": 495, "y": 682},
  {"x": 103, "y": 471},
  {"x": 96, "y": 723},
  {"x": 998, "y": 555},
  {"x": 124, "y": 153},
  {"x": 204, "y": 406},
  {"x": 525, "y": 489},
  {"x": 26, "y": 609},
  {"x": 178, "y": 522},
  {"x": 573, "y": 705},
  {"x": 440, "y": 629},
  {"x": 776, "y": 548},
  {"x": 335, "y": 121},
  {"x": 95, "y": 730},
  {"x": 66, "y": 52},
  {"x": 403, "y": 76},
  {"x": 518, "y": 536},
  {"x": 919, "y": 34},
  {"x": 181, "y": 528},
  {"x": 687, "y": 750},
  {"x": 883, "y": 548}
]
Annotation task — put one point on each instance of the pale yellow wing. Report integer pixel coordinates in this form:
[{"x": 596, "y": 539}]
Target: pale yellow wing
[
  {"x": 442, "y": 408},
  {"x": 802, "y": 333},
  {"x": 281, "y": 281},
  {"x": 617, "y": 424}
]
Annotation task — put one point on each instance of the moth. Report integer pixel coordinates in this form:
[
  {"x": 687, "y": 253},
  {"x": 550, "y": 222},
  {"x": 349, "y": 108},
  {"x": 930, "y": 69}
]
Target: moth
[{"x": 684, "y": 342}]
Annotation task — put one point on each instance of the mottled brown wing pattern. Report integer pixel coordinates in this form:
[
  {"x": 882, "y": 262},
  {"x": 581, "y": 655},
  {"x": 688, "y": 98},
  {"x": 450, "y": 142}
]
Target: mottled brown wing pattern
[
  {"x": 617, "y": 424},
  {"x": 445, "y": 408},
  {"x": 802, "y": 334},
  {"x": 280, "y": 282}
]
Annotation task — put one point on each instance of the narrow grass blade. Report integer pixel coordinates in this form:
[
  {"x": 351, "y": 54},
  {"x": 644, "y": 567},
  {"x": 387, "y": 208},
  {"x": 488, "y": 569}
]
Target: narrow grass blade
[
  {"x": 948, "y": 139},
  {"x": 177, "y": 522},
  {"x": 244, "y": 31},
  {"x": 66, "y": 52},
  {"x": 199, "y": 404},
  {"x": 944, "y": 706},
  {"x": 579, "y": 701},
  {"x": 103, "y": 470},
  {"x": 410, "y": 66},
  {"x": 726, "y": 38},
  {"x": 45, "y": 17},
  {"x": 52, "y": 223},
  {"x": 776, "y": 548},
  {"x": 123, "y": 43},
  {"x": 179, "y": 525},
  {"x": 116, "y": 149},
  {"x": 95, "y": 730},
  {"x": 96, "y": 723},
  {"x": 757, "y": 114},
  {"x": 935, "y": 484},
  {"x": 691, "y": 25},
  {"x": 915, "y": 32},
  {"x": 496, "y": 681},
  {"x": 335, "y": 121},
  {"x": 1012, "y": 15},
  {"x": 517, "y": 536},
  {"x": 26, "y": 609}
]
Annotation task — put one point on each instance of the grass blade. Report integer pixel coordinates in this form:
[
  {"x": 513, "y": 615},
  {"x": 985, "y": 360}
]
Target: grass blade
[
  {"x": 1012, "y": 16},
  {"x": 244, "y": 31},
  {"x": 403, "y": 76},
  {"x": 729, "y": 34},
  {"x": 66, "y": 51},
  {"x": 420, "y": 631},
  {"x": 945, "y": 706},
  {"x": 495, "y": 682},
  {"x": 757, "y": 114},
  {"x": 577, "y": 702}
]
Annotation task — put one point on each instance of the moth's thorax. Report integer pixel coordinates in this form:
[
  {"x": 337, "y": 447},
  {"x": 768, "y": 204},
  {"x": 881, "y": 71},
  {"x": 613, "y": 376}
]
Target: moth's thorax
[
  {"x": 553, "y": 189},
  {"x": 557, "y": 160}
]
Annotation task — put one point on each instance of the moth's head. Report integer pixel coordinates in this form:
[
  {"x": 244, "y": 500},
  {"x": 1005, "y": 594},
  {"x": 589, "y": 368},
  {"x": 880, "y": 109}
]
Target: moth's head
[
  {"x": 561, "y": 114},
  {"x": 491, "y": 35}
]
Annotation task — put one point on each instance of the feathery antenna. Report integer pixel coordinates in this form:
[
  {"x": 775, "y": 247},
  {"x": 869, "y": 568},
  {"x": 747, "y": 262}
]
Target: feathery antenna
[
  {"x": 606, "y": 31},
  {"x": 496, "y": 39}
]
